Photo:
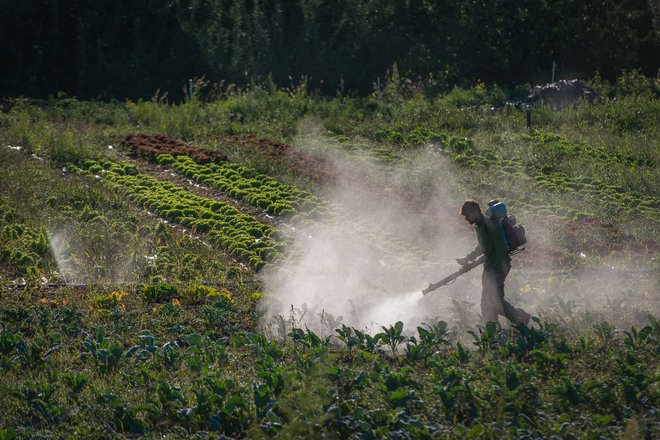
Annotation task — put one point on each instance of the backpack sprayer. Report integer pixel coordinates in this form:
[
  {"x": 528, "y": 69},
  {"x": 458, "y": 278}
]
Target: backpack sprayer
[{"x": 514, "y": 237}]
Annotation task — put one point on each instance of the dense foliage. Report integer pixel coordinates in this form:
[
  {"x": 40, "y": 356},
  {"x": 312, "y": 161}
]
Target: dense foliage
[
  {"x": 196, "y": 371},
  {"x": 119, "y": 49}
]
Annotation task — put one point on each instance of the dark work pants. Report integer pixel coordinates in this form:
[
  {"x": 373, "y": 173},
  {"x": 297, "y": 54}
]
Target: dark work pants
[{"x": 492, "y": 296}]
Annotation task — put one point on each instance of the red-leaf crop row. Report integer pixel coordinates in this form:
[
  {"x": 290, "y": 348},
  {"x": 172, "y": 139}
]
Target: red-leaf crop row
[
  {"x": 148, "y": 146},
  {"x": 300, "y": 162}
]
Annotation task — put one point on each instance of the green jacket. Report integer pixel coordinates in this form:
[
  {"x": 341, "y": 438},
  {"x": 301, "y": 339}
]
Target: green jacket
[{"x": 491, "y": 244}]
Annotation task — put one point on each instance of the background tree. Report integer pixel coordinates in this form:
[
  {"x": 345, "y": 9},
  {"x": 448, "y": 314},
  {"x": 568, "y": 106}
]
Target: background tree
[{"x": 123, "y": 49}]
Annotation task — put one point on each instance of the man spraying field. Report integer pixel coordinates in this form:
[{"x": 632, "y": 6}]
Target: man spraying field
[{"x": 497, "y": 263}]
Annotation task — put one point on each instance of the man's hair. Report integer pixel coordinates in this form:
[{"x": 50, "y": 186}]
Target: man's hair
[{"x": 470, "y": 206}]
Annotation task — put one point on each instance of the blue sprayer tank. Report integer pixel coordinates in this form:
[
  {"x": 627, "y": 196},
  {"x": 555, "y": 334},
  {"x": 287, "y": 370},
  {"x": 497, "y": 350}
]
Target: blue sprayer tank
[{"x": 497, "y": 212}]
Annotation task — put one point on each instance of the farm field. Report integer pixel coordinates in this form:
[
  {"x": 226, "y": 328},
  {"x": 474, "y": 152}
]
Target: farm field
[{"x": 251, "y": 267}]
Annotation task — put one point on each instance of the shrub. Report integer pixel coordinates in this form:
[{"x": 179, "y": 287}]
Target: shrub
[
  {"x": 198, "y": 293},
  {"x": 109, "y": 301},
  {"x": 158, "y": 293},
  {"x": 214, "y": 295}
]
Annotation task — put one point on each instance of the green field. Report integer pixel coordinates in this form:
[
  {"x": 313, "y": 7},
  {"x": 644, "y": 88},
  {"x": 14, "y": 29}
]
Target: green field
[{"x": 247, "y": 267}]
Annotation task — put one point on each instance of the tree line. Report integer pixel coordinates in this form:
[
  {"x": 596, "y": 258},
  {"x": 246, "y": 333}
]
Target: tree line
[{"x": 117, "y": 49}]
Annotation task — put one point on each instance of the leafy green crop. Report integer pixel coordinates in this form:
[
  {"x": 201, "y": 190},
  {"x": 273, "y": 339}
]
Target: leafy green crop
[
  {"x": 522, "y": 380},
  {"x": 23, "y": 248},
  {"x": 244, "y": 237},
  {"x": 245, "y": 184},
  {"x": 613, "y": 201}
]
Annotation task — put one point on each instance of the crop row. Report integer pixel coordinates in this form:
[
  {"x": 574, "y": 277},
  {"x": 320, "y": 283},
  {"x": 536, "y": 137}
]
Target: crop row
[
  {"x": 464, "y": 152},
  {"x": 559, "y": 147},
  {"x": 245, "y": 184},
  {"x": 616, "y": 197},
  {"x": 211, "y": 168},
  {"x": 279, "y": 199},
  {"x": 241, "y": 235},
  {"x": 283, "y": 200},
  {"x": 24, "y": 250},
  {"x": 143, "y": 145},
  {"x": 301, "y": 162}
]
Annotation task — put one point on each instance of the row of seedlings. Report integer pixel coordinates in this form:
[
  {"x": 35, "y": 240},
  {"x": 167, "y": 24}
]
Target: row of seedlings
[
  {"x": 243, "y": 236},
  {"x": 463, "y": 151},
  {"x": 245, "y": 184}
]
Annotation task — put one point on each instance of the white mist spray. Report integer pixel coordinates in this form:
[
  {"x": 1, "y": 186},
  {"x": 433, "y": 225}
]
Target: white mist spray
[
  {"x": 398, "y": 229},
  {"x": 88, "y": 259},
  {"x": 344, "y": 275},
  {"x": 59, "y": 245}
]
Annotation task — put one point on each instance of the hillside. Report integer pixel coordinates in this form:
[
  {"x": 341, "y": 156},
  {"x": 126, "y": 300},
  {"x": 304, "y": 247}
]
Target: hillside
[{"x": 251, "y": 266}]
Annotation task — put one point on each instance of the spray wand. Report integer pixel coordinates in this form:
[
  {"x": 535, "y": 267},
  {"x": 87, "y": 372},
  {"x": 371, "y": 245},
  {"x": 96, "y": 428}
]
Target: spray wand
[
  {"x": 464, "y": 269},
  {"x": 448, "y": 279}
]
